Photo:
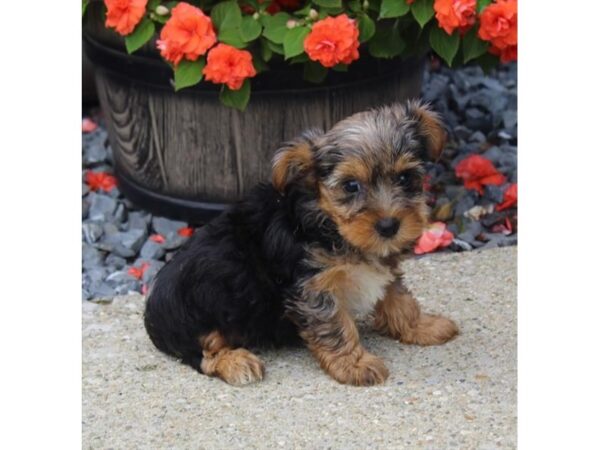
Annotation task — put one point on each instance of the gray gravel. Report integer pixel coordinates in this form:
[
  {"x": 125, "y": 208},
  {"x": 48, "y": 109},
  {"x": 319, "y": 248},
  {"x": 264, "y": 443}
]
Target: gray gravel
[{"x": 459, "y": 395}]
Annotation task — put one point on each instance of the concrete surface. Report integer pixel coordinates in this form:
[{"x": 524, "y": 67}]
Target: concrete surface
[{"x": 459, "y": 395}]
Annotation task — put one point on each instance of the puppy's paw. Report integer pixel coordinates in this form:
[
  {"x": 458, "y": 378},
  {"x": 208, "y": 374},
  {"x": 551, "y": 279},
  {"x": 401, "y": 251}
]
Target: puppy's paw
[
  {"x": 431, "y": 330},
  {"x": 369, "y": 370},
  {"x": 239, "y": 367}
]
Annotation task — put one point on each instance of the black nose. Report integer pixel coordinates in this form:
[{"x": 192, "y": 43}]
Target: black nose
[{"x": 387, "y": 227}]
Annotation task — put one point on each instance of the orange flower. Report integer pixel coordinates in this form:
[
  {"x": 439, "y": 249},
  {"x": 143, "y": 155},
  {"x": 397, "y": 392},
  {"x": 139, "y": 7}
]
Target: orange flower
[
  {"x": 185, "y": 231},
  {"x": 332, "y": 41},
  {"x": 100, "y": 181},
  {"x": 510, "y": 198},
  {"x": 477, "y": 171},
  {"x": 436, "y": 236},
  {"x": 499, "y": 26},
  {"x": 410, "y": 2},
  {"x": 506, "y": 54},
  {"x": 138, "y": 272},
  {"x": 124, "y": 15},
  {"x": 187, "y": 34},
  {"x": 88, "y": 125},
  {"x": 158, "y": 238},
  {"x": 228, "y": 65},
  {"x": 453, "y": 14}
]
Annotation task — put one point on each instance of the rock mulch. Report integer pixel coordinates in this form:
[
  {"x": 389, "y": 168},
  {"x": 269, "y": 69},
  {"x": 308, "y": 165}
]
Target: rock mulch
[{"x": 469, "y": 188}]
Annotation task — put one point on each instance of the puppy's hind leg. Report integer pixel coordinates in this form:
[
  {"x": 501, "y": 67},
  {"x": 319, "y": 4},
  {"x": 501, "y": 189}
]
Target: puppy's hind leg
[{"x": 234, "y": 366}]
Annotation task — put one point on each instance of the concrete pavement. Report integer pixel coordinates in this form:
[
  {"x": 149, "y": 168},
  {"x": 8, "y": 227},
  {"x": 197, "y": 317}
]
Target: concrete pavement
[{"x": 459, "y": 395}]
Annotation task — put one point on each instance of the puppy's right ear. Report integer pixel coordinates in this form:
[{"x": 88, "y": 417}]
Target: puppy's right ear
[{"x": 294, "y": 161}]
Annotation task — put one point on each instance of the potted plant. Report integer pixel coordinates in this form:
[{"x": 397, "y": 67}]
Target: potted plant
[{"x": 197, "y": 95}]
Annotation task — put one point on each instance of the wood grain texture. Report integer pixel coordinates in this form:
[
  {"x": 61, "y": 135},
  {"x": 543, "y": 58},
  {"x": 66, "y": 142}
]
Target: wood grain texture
[{"x": 188, "y": 145}]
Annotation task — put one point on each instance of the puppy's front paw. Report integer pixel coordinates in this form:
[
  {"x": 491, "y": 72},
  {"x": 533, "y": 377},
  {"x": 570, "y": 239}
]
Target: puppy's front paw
[
  {"x": 239, "y": 367},
  {"x": 431, "y": 330},
  {"x": 367, "y": 371}
]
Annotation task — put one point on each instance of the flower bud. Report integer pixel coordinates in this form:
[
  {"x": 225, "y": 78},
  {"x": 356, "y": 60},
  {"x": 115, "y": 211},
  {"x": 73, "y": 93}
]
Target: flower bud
[
  {"x": 291, "y": 24},
  {"x": 162, "y": 10},
  {"x": 313, "y": 14},
  {"x": 256, "y": 15},
  {"x": 366, "y": 5}
]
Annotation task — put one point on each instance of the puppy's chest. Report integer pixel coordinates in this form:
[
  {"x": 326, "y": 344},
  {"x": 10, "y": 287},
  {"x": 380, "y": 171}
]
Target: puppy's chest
[{"x": 364, "y": 285}]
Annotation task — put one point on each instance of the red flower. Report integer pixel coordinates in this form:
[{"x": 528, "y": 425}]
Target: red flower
[
  {"x": 187, "y": 34},
  {"x": 453, "y": 14},
  {"x": 505, "y": 228},
  {"x": 499, "y": 27},
  {"x": 100, "y": 181},
  {"x": 507, "y": 54},
  {"x": 510, "y": 198},
  {"x": 332, "y": 41},
  {"x": 124, "y": 15},
  {"x": 158, "y": 238},
  {"x": 138, "y": 272},
  {"x": 228, "y": 65},
  {"x": 410, "y": 2},
  {"x": 88, "y": 125},
  {"x": 436, "y": 236},
  {"x": 477, "y": 171},
  {"x": 185, "y": 231}
]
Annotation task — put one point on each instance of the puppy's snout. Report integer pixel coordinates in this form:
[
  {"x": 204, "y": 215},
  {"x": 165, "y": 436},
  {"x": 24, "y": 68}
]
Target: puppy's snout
[{"x": 387, "y": 227}]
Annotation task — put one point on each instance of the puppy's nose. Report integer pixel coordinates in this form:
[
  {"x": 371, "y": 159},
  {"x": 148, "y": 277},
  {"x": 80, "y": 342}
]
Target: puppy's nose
[{"x": 387, "y": 227}]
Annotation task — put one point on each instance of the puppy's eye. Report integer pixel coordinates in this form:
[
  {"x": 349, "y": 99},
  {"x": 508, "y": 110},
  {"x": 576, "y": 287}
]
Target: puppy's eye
[
  {"x": 352, "y": 186},
  {"x": 403, "y": 179}
]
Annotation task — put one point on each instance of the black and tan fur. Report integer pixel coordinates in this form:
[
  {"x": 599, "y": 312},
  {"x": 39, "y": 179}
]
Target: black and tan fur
[{"x": 300, "y": 257}]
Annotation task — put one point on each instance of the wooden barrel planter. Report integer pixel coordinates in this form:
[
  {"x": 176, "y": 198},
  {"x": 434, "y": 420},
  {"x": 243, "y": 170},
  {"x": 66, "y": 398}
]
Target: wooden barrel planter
[{"x": 185, "y": 155}]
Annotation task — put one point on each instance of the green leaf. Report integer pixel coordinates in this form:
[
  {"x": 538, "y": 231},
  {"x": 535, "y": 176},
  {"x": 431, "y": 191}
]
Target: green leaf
[
  {"x": 366, "y": 26},
  {"x": 250, "y": 28},
  {"x": 236, "y": 99},
  {"x": 265, "y": 50},
  {"x": 226, "y": 15},
  {"x": 276, "y": 26},
  {"x": 355, "y": 6},
  {"x": 443, "y": 44},
  {"x": 487, "y": 62},
  {"x": 422, "y": 11},
  {"x": 188, "y": 73},
  {"x": 314, "y": 72},
  {"x": 233, "y": 37},
  {"x": 386, "y": 43},
  {"x": 393, "y": 8},
  {"x": 84, "y": 6},
  {"x": 152, "y": 4},
  {"x": 473, "y": 47},
  {"x": 329, "y": 3},
  {"x": 293, "y": 43},
  {"x": 340, "y": 68},
  {"x": 482, "y": 4},
  {"x": 142, "y": 34},
  {"x": 302, "y": 58},
  {"x": 275, "y": 48},
  {"x": 303, "y": 12}
]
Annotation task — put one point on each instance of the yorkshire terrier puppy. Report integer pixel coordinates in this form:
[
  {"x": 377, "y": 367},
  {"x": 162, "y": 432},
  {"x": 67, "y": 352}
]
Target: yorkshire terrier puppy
[{"x": 302, "y": 255}]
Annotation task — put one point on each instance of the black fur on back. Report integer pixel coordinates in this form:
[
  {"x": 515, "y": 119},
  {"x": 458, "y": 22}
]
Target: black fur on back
[{"x": 234, "y": 274}]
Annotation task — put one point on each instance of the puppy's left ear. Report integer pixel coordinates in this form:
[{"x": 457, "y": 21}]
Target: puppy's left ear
[
  {"x": 430, "y": 127},
  {"x": 294, "y": 161}
]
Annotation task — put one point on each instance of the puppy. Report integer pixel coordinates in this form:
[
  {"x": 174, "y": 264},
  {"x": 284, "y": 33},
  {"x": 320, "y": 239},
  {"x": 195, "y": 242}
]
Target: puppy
[{"x": 301, "y": 256}]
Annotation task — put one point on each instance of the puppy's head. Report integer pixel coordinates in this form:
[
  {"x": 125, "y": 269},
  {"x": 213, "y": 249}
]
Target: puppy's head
[{"x": 367, "y": 172}]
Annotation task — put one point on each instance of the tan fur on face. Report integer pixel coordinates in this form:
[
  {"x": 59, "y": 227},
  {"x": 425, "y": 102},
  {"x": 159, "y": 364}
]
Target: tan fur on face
[
  {"x": 359, "y": 228},
  {"x": 399, "y": 316},
  {"x": 234, "y": 366}
]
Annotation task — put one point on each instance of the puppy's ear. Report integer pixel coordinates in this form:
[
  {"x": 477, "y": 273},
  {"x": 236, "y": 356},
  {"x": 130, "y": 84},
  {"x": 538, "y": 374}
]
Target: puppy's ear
[
  {"x": 430, "y": 127},
  {"x": 294, "y": 161}
]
